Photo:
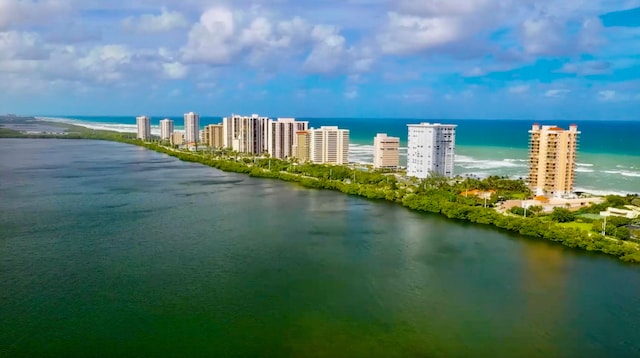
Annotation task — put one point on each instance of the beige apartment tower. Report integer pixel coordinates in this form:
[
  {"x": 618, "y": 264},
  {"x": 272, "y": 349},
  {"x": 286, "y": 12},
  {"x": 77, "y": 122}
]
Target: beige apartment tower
[
  {"x": 302, "y": 146},
  {"x": 552, "y": 160},
  {"x": 214, "y": 135},
  {"x": 385, "y": 152}
]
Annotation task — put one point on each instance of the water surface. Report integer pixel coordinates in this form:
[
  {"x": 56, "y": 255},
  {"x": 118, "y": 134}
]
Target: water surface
[{"x": 112, "y": 250}]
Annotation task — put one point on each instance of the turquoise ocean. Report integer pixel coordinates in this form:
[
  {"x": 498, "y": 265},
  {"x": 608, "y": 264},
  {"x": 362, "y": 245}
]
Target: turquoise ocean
[{"x": 608, "y": 158}]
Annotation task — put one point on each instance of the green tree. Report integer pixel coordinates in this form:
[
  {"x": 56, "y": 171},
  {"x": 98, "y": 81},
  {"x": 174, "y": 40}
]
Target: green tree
[{"x": 562, "y": 215}]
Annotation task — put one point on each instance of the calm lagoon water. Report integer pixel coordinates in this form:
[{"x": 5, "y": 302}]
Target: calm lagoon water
[{"x": 113, "y": 250}]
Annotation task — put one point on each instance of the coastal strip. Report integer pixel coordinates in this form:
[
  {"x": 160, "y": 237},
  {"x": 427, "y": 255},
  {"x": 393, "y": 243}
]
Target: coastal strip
[{"x": 436, "y": 195}]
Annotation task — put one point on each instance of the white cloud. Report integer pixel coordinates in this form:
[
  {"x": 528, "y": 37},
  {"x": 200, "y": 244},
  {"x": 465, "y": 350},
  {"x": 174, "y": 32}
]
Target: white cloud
[
  {"x": 351, "y": 94},
  {"x": 210, "y": 40},
  {"x": 607, "y": 95},
  {"x": 175, "y": 70},
  {"x": 408, "y": 34},
  {"x": 518, "y": 89},
  {"x": 587, "y": 68},
  {"x": 22, "y": 46},
  {"x": 165, "y": 21},
  {"x": 26, "y": 12},
  {"x": 328, "y": 52},
  {"x": 556, "y": 93},
  {"x": 107, "y": 63}
]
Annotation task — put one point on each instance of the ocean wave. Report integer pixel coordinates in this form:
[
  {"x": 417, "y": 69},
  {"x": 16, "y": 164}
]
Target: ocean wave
[
  {"x": 625, "y": 173},
  {"x": 584, "y": 164},
  {"x": 601, "y": 192},
  {"x": 584, "y": 170},
  {"x": 473, "y": 163}
]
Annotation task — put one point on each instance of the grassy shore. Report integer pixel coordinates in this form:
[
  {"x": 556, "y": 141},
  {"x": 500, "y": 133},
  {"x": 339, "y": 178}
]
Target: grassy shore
[{"x": 434, "y": 195}]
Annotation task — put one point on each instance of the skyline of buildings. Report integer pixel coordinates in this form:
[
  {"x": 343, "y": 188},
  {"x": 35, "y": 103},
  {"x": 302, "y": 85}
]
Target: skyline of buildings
[
  {"x": 386, "y": 153},
  {"x": 552, "y": 158},
  {"x": 431, "y": 149}
]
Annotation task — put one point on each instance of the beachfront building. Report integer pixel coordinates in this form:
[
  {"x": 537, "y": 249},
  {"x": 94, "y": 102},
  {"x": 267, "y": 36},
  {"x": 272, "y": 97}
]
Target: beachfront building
[
  {"x": 552, "y": 160},
  {"x": 431, "y": 149},
  {"x": 281, "y": 136},
  {"x": 166, "y": 129},
  {"x": 385, "y": 152},
  {"x": 245, "y": 134},
  {"x": 329, "y": 145},
  {"x": 191, "y": 127},
  {"x": 143, "y": 123},
  {"x": 177, "y": 138},
  {"x": 302, "y": 145},
  {"x": 213, "y": 135}
]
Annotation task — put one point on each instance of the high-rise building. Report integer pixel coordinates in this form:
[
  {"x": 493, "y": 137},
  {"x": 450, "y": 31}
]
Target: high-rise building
[
  {"x": 144, "y": 127},
  {"x": 301, "y": 150},
  {"x": 214, "y": 135},
  {"x": 245, "y": 134},
  {"x": 329, "y": 144},
  {"x": 431, "y": 149},
  {"x": 191, "y": 127},
  {"x": 166, "y": 128},
  {"x": 281, "y": 136},
  {"x": 552, "y": 158},
  {"x": 385, "y": 152}
]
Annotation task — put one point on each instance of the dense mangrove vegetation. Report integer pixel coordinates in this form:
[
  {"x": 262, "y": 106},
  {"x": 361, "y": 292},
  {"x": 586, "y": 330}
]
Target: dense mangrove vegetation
[{"x": 435, "y": 194}]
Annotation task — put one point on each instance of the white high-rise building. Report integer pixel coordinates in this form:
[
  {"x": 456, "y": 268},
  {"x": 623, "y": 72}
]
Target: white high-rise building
[
  {"x": 281, "y": 136},
  {"x": 144, "y": 127},
  {"x": 191, "y": 127},
  {"x": 166, "y": 128},
  {"x": 329, "y": 144},
  {"x": 245, "y": 134},
  {"x": 385, "y": 151},
  {"x": 431, "y": 148}
]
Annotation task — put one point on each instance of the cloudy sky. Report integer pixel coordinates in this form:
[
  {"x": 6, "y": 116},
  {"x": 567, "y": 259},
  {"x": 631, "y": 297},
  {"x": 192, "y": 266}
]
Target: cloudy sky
[{"x": 542, "y": 59}]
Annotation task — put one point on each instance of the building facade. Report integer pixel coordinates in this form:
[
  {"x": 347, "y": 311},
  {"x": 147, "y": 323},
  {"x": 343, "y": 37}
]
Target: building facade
[
  {"x": 166, "y": 129},
  {"x": 329, "y": 145},
  {"x": 552, "y": 158},
  {"x": 245, "y": 134},
  {"x": 281, "y": 136},
  {"x": 191, "y": 127},
  {"x": 214, "y": 135},
  {"x": 431, "y": 149},
  {"x": 177, "y": 138},
  {"x": 385, "y": 152},
  {"x": 143, "y": 124},
  {"x": 301, "y": 150}
]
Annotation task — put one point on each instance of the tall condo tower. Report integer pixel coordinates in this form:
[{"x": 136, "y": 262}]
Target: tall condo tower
[
  {"x": 245, "y": 134},
  {"x": 281, "y": 136},
  {"x": 214, "y": 135},
  {"x": 329, "y": 144},
  {"x": 144, "y": 127},
  {"x": 552, "y": 159},
  {"x": 385, "y": 151},
  {"x": 191, "y": 127},
  {"x": 166, "y": 128},
  {"x": 301, "y": 150},
  {"x": 431, "y": 149}
]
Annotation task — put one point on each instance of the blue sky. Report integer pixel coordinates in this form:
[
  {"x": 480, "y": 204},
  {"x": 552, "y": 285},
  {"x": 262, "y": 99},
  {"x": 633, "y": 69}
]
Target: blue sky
[{"x": 521, "y": 59}]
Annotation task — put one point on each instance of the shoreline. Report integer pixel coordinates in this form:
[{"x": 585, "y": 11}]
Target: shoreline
[
  {"x": 474, "y": 167},
  {"x": 373, "y": 186}
]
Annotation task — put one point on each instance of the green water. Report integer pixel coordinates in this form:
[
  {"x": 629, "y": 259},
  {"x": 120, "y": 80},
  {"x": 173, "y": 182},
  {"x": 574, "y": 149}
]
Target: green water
[{"x": 113, "y": 250}]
